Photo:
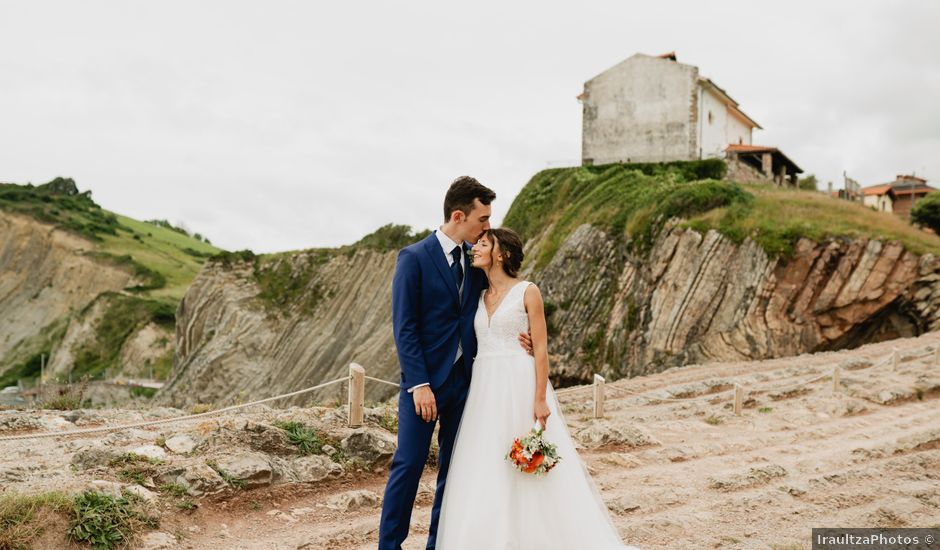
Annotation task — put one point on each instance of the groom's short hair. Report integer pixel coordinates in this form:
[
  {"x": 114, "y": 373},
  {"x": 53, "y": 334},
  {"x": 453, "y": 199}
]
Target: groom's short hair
[{"x": 461, "y": 194}]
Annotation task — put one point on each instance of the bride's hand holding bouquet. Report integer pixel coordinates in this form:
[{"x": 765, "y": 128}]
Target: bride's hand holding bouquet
[{"x": 531, "y": 454}]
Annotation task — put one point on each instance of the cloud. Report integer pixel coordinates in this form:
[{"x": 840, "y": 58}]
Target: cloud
[{"x": 294, "y": 125}]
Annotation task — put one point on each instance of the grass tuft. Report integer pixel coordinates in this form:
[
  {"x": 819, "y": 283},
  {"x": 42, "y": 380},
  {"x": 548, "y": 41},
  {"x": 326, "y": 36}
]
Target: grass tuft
[{"x": 302, "y": 436}]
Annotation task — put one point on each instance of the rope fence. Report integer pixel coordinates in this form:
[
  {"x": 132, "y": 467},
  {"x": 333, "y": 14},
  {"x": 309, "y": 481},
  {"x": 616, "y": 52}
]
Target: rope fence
[{"x": 357, "y": 378}]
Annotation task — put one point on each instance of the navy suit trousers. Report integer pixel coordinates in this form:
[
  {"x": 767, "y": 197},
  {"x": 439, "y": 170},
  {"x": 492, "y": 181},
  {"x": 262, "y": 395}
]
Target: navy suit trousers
[{"x": 414, "y": 441}]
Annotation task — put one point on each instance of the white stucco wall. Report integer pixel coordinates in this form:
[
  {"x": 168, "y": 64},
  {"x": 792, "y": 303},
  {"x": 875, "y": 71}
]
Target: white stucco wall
[
  {"x": 641, "y": 110},
  {"x": 713, "y": 129},
  {"x": 738, "y": 130},
  {"x": 725, "y": 128},
  {"x": 881, "y": 203}
]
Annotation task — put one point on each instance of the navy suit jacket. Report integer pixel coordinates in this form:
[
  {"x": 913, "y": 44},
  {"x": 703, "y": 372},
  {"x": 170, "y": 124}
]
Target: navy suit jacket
[{"x": 428, "y": 318}]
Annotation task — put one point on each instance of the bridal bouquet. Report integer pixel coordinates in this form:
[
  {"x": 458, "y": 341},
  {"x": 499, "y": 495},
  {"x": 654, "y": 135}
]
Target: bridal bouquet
[{"x": 532, "y": 454}]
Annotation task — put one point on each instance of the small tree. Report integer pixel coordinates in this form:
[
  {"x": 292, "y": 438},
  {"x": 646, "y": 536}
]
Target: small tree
[
  {"x": 808, "y": 183},
  {"x": 927, "y": 212}
]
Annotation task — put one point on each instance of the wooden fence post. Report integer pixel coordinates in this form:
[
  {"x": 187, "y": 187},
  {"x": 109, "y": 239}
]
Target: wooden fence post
[
  {"x": 936, "y": 357},
  {"x": 738, "y": 398},
  {"x": 598, "y": 396},
  {"x": 895, "y": 359},
  {"x": 836, "y": 375},
  {"x": 357, "y": 393}
]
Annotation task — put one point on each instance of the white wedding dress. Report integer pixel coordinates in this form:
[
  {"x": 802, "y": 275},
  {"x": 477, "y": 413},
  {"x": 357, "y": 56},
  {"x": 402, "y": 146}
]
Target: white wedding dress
[{"x": 487, "y": 503}]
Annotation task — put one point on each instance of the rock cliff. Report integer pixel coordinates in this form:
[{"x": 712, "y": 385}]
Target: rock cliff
[
  {"x": 699, "y": 298},
  {"x": 695, "y": 298},
  {"x": 87, "y": 291}
]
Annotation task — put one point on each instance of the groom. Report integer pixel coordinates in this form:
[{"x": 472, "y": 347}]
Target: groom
[{"x": 434, "y": 299}]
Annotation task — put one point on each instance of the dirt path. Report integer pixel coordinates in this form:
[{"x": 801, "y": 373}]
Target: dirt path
[{"x": 790, "y": 462}]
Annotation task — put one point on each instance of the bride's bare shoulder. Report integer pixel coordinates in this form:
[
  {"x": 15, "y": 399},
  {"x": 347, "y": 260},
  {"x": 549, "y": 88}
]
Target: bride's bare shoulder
[{"x": 532, "y": 296}]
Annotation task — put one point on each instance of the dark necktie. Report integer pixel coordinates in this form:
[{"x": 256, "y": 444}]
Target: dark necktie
[{"x": 456, "y": 267}]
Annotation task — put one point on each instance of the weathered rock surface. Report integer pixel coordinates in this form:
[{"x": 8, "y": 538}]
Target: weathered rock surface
[
  {"x": 353, "y": 500},
  {"x": 373, "y": 447},
  {"x": 55, "y": 291},
  {"x": 696, "y": 298}
]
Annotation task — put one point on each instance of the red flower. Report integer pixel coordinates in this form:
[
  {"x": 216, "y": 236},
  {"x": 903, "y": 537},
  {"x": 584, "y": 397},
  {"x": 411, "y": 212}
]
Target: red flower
[{"x": 537, "y": 459}]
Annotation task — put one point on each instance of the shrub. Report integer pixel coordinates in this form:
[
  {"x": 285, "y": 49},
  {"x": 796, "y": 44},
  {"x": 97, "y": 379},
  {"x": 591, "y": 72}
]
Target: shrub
[{"x": 927, "y": 212}]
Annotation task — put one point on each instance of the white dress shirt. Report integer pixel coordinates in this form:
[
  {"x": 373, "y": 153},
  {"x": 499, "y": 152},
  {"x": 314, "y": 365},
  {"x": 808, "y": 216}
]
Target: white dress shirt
[{"x": 448, "y": 245}]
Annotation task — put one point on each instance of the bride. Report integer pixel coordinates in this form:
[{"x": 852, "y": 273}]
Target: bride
[{"x": 488, "y": 503}]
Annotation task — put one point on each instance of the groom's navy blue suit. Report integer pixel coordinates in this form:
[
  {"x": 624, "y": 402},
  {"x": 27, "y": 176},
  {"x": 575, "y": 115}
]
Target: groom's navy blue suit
[{"x": 428, "y": 319}]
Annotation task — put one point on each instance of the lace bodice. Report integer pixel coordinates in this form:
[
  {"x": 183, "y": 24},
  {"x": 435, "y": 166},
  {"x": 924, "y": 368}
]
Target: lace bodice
[{"x": 500, "y": 333}]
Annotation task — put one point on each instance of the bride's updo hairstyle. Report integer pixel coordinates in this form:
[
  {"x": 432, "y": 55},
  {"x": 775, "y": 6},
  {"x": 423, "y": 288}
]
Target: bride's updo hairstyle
[{"x": 509, "y": 246}]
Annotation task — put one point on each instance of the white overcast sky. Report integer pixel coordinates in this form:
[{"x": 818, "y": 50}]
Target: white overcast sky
[{"x": 282, "y": 125}]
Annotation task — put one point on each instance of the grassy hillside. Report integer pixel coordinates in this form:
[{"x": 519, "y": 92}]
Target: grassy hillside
[
  {"x": 634, "y": 200},
  {"x": 164, "y": 257},
  {"x": 283, "y": 278},
  {"x": 168, "y": 257}
]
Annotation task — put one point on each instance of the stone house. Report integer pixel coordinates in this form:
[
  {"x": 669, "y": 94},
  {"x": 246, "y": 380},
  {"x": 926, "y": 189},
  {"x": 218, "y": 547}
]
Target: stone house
[
  {"x": 880, "y": 197},
  {"x": 898, "y": 196},
  {"x": 655, "y": 109}
]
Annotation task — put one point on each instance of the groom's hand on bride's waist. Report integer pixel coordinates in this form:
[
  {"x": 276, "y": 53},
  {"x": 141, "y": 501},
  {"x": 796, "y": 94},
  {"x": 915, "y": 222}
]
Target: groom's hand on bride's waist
[
  {"x": 525, "y": 340},
  {"x": 425, "y": 404}
]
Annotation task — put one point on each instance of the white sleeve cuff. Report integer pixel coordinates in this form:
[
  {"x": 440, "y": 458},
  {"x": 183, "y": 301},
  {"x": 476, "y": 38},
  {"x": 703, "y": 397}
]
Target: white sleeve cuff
[{"x": 413, "y": 388}]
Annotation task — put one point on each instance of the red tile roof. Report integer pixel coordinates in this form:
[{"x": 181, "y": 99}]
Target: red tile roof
[
  {"x": 741, "y": 148},
  {"x": 876, "y": 189}
]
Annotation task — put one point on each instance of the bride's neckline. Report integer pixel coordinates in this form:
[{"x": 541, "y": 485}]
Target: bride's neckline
[{"x": 489, "y": 318}]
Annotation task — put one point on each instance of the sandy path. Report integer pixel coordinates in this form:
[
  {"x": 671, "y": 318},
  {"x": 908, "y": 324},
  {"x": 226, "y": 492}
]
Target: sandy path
[{"x": 760, "y": 480}]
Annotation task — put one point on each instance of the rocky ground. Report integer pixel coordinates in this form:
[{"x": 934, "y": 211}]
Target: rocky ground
[{"x": 683, "y": 473}]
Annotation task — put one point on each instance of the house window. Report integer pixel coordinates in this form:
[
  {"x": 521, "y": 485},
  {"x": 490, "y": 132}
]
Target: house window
[{"x": 710, "y": 117}]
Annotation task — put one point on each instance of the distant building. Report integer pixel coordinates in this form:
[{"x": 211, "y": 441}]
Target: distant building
[
  {"x": 905, "y": 191},
  {"x": 880, "y": 197},
  {"x": 655, "y": 109}
]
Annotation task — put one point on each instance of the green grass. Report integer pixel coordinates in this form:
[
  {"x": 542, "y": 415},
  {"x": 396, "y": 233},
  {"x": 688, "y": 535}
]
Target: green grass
[
  {"x": 778, "y": 217},
  {"x": 96, "y": 520},
  {"x": 146, "y": 393},
  {"x": 104, "y": 522},
  {"x": 134, "y": 468},
  {"x": 161, "y": 250},
  {"x": 287, "y": 281},
  {"x": 59, "y": 202},
  {"x": 124, "y": 316},
  {"x": 163, "y": 258},
  {"x": 228, "y": 478},
  {"x": 633, "y": 201},
  {"x": 166, "y": 257},
  {"x": 24, "y": 361},
  {"x": 23, "y": 518},
  {"x": 302, "y": 436},
  {"x": 66, "y": 398},
  {"x": 627, "y": 200}
]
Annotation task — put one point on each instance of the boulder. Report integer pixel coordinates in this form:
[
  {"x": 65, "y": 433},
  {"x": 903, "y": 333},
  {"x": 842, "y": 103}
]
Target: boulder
[
  {"x": 353, "y": 500},
  {"x": 313, "y": 468},
  {"x": 612, "y": 432},
  {"x": 251, "y": 469},
  {"x": 180, "y": 444},
  {"x": 149, "y": 451},
  {"x": 93, "y": 457},
  {"x": 372, "y": 447}
]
